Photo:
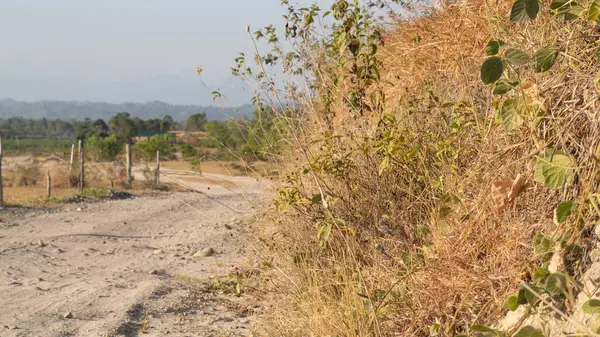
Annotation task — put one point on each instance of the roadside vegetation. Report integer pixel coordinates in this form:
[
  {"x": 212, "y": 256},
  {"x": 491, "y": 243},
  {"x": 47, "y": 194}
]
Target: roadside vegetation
[{"x": 440, "y": 170}]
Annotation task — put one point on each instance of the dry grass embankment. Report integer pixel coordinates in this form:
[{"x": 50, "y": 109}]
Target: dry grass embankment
[{"x": 414, "y": 233}]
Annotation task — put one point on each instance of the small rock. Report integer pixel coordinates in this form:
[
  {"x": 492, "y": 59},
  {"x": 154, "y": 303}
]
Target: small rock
[
  {"x": 78, "y": 209},
  {"x": 227, "y": 319},
  {"x": 597, "y": 231},
  {"x": 41, "y": 244},
  {"x": 154, "y": 272},
  {"x": 158, "y": 252},
  {"x": 205, "y": 252},
  {"x": 68, "y": 315},
  {"x": 228, "y": 226},
  {"x": 58, "y": 251}
]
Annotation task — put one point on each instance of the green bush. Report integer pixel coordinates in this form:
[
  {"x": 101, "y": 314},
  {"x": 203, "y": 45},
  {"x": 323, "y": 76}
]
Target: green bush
[
  {"x": 188, "y": 151},
  {"x": 104, "y": 149},
  {"x": 147, "y": 148}
]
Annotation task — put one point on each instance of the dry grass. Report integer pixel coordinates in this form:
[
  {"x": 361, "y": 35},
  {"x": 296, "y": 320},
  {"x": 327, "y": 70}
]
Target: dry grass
[
  {"x": 34, "y": 195},
  {"x": 25, "y": 179},
  {"x": 423, "y": 242},
  {"x": 227, "y": 168}
]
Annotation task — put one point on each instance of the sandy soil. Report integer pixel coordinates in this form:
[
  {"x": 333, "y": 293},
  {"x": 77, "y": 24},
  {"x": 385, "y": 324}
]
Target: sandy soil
[{"x": 122, "y": 268}]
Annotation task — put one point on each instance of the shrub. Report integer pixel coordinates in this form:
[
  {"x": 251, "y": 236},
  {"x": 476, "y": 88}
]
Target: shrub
[
  {"x": 148, "y": 148},
  {"x": 104, "y": 148},
  {"x": 188, "y": 151}
]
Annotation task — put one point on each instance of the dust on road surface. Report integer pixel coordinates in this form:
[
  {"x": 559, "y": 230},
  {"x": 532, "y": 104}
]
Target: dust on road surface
[{"x": 115, "y": 268}]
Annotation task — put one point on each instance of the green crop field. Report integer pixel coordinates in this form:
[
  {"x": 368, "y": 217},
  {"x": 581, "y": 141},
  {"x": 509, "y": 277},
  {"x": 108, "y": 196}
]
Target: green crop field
[{"x": 36, "y": 146}]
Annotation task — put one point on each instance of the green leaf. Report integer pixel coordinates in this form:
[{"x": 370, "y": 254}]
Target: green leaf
[
  {"x": 510, "y": 113},
  {"x": 502, "y": 87},
  {"x": 560, "y": 4},
  {"x": 542, "y": 244},
  {"x": 529, "y": 331},
  {"x": 563, "y": 210},
  {"x": 516, "y": 57},
  {"x": 541, "y": 272},
  {"x": 591, "y": 306},
  {"x": 493, "y": 47},
  {"x": 491, "y": 69},
  {"x": 544, "y": 59},
  {"x": 524, "y": 10},
  {"x": 526, "y": 296},
  {"x": 556, "y": 284},
  {"x": 324, "y": 231},
  {"x": 512, "y": 303},
  {"x": 594, "y": 11},
  {"x": 554, "y": 169},
  {"x": 316, "y": 199}
]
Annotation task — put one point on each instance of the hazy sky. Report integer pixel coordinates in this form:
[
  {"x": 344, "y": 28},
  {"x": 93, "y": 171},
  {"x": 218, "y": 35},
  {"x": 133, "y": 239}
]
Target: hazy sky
[{"x": 75, "y": 49}]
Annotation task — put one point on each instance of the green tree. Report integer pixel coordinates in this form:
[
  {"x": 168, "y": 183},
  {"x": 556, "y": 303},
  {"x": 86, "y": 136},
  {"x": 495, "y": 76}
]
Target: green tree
[
  {"x": 167, "y": 123},
  {"x": 123, "y": 126},
  {"x": 153, "y": 124},
  {"x": 101, "y": 128},
  {"x": 196, "y": 122},
  {"x": 84, "y": 129}
]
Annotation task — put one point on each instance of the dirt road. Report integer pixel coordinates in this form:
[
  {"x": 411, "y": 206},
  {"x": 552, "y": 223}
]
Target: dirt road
[{"x": 119, "y": 268}]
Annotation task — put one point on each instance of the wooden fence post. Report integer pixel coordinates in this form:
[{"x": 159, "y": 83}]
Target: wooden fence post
[
  {"x": 71, "y": 165},
  {"x": 128, "y": 154},
  {"x": 157, "y": 167},
  {"x": 81, "y": 166},
  {"x": 49, "y": 186},
  {"x": 1, "y": 186}
]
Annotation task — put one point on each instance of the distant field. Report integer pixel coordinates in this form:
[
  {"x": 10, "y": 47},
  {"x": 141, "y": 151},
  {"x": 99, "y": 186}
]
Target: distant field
[{"x": 36, "y": 146}]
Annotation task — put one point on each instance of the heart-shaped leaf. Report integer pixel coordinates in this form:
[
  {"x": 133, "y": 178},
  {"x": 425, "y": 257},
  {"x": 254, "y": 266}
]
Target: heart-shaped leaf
[
  {"x": 544, "y": 59},
  {"x": 556, "y": 284},
  {"x": 554, "y": 169},
  {"x": 491, "y": 69},
  {"x": 563, "y": 210},
  {"x": 511, "y": 112},
  {"x": 542, "y": 244},
  {"x": 529, "y": 331},
  {"x": 591, "y": 306},
  {"x": 516, "y": 57},
  {"x": 524, "y": 10},
  {"x": 493, "y": 47}
]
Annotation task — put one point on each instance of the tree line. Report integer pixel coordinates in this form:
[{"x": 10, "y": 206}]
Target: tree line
[
  {"x": 252, "y": 138},
  {"x": 57, "y": 129}
]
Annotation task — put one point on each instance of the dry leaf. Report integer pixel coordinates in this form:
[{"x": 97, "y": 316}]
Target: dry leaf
[{"x": 505, "y": 191}]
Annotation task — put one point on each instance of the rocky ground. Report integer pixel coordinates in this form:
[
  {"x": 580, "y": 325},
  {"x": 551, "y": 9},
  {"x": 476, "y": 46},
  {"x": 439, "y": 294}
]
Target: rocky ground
[{"x": 153, "y": 265}]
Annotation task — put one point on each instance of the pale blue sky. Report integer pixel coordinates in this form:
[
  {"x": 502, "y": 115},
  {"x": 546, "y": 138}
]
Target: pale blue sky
[{"x": 102, "y": 49}]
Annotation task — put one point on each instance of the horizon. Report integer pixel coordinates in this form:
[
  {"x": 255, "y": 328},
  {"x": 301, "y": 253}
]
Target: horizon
[{"x": 125, "y": 102}]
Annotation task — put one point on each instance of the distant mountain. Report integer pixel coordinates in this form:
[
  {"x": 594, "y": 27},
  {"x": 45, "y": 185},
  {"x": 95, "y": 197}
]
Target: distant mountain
[
  {"x": 168, "y": 88},
  {"x": 77, "y": 110}
]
